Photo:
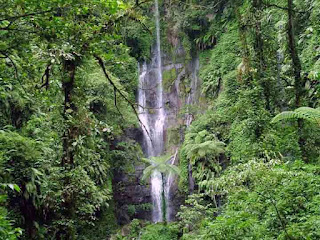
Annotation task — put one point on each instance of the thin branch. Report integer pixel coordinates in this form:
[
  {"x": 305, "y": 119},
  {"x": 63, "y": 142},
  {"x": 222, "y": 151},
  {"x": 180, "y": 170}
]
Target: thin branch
[
  {"x": 283, "y": 224},
  {"x": 12, "y": 62},
  {"x": 137, "y": 4},
  {"x": 26, "y": 15},
  {"x": 45, "y": 77},
  {"x": 275, "y": 6},
  {"x": 282, "y": 8},
  {"x": 143, "y": 25},
  {"x": 115, "y": 102},
  {"x": 282, "y": 221},
  {"x": 101, "y": 63},
  {"x": 15, "y": 69}
]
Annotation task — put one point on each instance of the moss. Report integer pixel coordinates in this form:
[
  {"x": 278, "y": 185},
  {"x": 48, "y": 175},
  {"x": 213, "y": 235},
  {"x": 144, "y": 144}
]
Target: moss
[
  {"x": 168, "y": 77},
  {"x": 173, "y": 137},
  {"x": 184, "y": 174},
  {"x": 151, "y": 111},
  {"x": 144, "y": 207},
  {"x": 133, "y": 209},
  {"x": 184, "y": 87},
  {"x": 187, "y": 45}
]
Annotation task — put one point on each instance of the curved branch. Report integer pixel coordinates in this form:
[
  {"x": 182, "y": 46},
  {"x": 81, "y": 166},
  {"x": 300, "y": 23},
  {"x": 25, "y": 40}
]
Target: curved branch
[
  {"x": 101, "y": 63},
  {"x": 15, "y": 69},
  {"x": 25, "y": 15},
  {"x": 45, "y": 77}
]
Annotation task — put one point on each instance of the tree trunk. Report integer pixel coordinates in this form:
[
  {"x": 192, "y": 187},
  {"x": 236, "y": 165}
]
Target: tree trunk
[
  {"x": 259, "y": 58},
  {"x": 164, "y": 203},
  {"x": 296, "y": 65},
  {"x": 245, "y": 75},
  {"x": 69, "y": 109},
  {"x": 69, "y": 136}
]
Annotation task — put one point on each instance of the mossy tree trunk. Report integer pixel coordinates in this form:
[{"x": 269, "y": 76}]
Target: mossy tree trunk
[
  {"x": 259, "y": 60},
  {"x": 164, "y": 203},
  {"x": 69, "y": 136},
  {"x": 299, "y": 82}
]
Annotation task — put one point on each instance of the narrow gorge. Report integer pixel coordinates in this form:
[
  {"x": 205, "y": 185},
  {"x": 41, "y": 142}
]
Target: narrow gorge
[{"x": 162, "y": 125}]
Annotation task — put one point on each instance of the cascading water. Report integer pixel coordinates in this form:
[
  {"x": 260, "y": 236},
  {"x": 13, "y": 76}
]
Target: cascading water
[
  {"x": 153, "y": 117},
  {"x": 170, "y": 180}
]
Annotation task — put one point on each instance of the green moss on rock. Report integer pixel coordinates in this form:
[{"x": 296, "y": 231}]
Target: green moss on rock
[
  {"x": 173, "y": 136},
  {"x": 168, "y": 77}
]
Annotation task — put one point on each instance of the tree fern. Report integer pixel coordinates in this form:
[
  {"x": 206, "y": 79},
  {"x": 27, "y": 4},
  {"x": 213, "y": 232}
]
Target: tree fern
[
  {"x": 306, "y": 113},
  {"x": 200, "y": 150},
  {"x": 160, "y": 164}
]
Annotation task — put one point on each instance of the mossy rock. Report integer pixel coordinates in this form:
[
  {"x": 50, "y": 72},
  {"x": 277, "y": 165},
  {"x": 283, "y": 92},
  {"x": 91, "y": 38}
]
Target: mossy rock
[
  {"x": 184, "y": 87},
  {"x": 173, "y": 136},
  {"x": 131, "y": 210},
  {"x": 151, "y": 111},
  {"x": 168, "y": 78},
  {"x": 188, "y": 89}
]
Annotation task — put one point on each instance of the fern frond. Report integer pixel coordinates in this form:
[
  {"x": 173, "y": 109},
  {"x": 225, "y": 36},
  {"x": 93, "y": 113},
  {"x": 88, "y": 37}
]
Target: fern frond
[
  {"x": 160, "y": 164},
  {"x": 196, "y": 151},
  {"x": 286, "y": 115},
  {"x": 311, "y": 114},
  {"x": 306, "y": 113},
  {"x": 147, "y": 172},
  {"x": 172, "y": 169}
]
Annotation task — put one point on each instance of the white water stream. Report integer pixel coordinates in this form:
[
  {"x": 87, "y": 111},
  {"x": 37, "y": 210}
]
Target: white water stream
[{"x": 153, "y": 117}]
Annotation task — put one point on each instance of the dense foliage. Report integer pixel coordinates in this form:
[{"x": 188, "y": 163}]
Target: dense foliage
[
  {"x": 264, "y": 184},
  {"x": 66, "y": 80}
]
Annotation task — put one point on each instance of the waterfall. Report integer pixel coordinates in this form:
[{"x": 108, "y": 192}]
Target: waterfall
[
  {"x": 153, "y": 118},
  {"x": 170, "y": 180},
  {"x": 160, "y": 120}
]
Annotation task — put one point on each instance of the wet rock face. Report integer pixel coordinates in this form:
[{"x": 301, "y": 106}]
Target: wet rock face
[
  {"x": 176, "y": 200},
  {"x": 132, "y": 197},
  {"x": 180, "y": 88}
]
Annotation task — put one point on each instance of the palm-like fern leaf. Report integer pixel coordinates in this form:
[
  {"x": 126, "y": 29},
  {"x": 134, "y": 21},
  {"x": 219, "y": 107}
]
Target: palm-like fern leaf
[
  {"x": 160, "y": 164},
  {"x": 306, "y": 113},
  {"x": 148, "y": 172},
  {"x": 197, "y": 151}
]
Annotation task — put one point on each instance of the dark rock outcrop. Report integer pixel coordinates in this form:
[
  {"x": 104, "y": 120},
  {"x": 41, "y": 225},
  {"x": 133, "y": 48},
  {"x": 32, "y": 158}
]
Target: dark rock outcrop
[{"x": 132, "y": 197}]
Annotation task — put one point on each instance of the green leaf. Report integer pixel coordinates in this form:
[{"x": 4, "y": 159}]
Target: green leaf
[{"x": 16, "y": 187}]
